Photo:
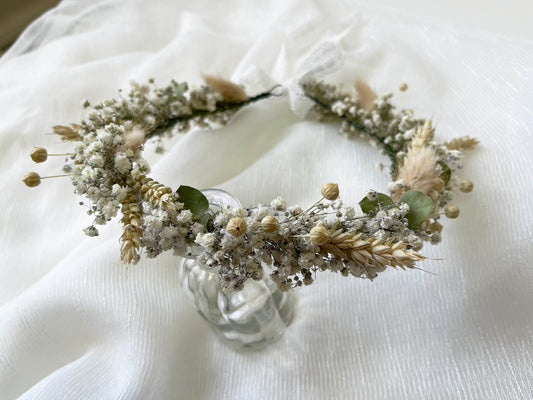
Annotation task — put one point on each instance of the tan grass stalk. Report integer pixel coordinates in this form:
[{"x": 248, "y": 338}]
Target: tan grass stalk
[
  {"x": 131, "y": 237},
  {"x": 68, "y": 133},
  {"x": 417, "y": 171},
  {"x": 423, "y": 134},
  {"x": 462, "y": 143},
  {"x": 230, "y": 92}
]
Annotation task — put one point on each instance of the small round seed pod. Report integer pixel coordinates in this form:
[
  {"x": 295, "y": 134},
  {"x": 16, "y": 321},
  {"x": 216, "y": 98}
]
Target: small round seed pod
[
  {"x": 319, "y": 235},
  {"x": 39, "y": 154},
  {"x": 269, "y": 224},
  {"x": 32, "y": 179},
  {"x": 236, "y": 226},
  {"x": 451, "y": 211},
  {"x": 403, "y": 87},
  {"x": 466, "y": 186},
  {"x": 330, "y": 191}
]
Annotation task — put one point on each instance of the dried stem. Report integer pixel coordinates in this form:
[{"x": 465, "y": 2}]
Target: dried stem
[{"x": 222, "y": 107}]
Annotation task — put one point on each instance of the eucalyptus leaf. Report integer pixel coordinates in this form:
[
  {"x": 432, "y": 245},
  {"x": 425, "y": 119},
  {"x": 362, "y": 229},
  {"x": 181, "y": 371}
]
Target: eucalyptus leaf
[
  {"x": 372, "y": 205},
  {"x": 446, "y": 173},
  {"x": 193, "y": 200},
  {"x": 420, "y": 205},
  {"x": 204, "y": 219},
  {"x": 181, "y": 89}
]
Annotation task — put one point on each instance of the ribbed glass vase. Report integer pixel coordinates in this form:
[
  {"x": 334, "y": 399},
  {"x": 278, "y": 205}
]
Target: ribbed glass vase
[{"x": 249, "y": 319}]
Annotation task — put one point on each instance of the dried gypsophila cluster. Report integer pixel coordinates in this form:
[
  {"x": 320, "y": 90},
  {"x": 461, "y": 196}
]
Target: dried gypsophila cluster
[
  {"x": 107, "y": 165},
  {"x": 297, "y": 244},
  {"x": 108, "y": 169},
  {"x": 418, "y": 162}
]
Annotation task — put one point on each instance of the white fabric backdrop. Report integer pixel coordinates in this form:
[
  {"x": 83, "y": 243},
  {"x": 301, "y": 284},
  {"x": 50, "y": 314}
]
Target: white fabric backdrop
[{"x": 75, "y": 324}]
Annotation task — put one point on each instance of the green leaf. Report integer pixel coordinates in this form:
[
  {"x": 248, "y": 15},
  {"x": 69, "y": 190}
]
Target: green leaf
[
  {"x": 372, "y": 205},
  {"x": 181, "y": 89},
  {"x": 446, "y": 173},
  {"x": 204, "y": 219},
  {"x": 193, "y": 200},
  {"x": 420, "y": 205}
]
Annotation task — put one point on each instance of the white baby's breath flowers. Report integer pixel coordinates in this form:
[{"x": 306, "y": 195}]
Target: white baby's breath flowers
[
  {"x": 108, "y": 168},
  {"x": 279, "y": 204},
  {"x": 122, "y": 163}
]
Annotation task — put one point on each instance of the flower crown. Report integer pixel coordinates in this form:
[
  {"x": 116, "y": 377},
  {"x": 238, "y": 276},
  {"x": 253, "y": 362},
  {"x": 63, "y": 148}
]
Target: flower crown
[{"x": 107, "y": 167}]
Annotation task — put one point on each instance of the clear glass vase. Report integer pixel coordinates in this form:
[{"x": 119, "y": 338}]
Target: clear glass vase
[{"x": 249, "y": 319}]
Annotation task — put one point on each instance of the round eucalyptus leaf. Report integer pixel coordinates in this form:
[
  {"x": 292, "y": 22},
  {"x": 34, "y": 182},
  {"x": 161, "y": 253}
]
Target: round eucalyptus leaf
[{"x": 420, "y": 205}]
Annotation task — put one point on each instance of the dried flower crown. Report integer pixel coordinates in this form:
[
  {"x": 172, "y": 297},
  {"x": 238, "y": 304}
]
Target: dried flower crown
[{"x": 107, "y": 167}]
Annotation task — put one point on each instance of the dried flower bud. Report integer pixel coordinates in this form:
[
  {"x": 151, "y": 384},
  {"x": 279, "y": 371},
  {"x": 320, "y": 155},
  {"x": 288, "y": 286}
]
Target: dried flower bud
[
  {"x": 466, "y": 186},
  {"x": 39, "y": 154},
  {"x": 330, "y": 191},
  {"x": 451, "y": 211},
  {"x": 236, "y": 226},
  {"x": 269, "y": 224},
  {"x": 319, "y": 235},
  {"x": 32, "y": 179},
  {"x": 435, "y": 227}
]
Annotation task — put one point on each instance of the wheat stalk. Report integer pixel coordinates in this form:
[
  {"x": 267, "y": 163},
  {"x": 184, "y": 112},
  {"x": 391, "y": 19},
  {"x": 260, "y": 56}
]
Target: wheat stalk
[
  {"x": 370, "y": 252},
  {"x": 157, "y": 194},
  {"x": 131, "y": 237}
]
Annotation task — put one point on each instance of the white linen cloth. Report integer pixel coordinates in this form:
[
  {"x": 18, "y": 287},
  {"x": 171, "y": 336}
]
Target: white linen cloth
[{"x": 76, "y": 324}]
